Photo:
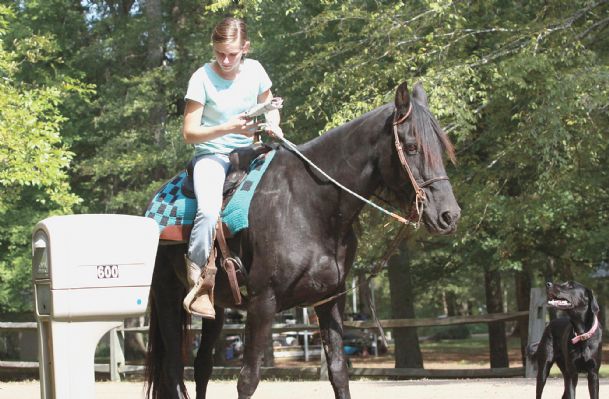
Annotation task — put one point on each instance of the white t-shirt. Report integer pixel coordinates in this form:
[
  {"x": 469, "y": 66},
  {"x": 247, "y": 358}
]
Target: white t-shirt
[{"x": 223, "y": 99}]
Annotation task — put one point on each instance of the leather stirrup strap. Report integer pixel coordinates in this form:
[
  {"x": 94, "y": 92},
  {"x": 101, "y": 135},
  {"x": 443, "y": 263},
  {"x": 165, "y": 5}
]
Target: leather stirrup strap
[{"x": 228, "y": 263}]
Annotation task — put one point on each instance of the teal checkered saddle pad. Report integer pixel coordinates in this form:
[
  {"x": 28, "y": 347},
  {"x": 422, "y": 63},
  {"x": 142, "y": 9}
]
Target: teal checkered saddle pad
[{"x": 174, "y": 205}]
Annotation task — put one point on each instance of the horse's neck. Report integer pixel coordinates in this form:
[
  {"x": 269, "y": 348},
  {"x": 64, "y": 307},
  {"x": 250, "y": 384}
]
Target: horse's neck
[{"x": 348, "y": 155}]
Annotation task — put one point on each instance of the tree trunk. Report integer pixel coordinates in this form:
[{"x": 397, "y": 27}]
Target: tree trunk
[
  {"x": 496, "y": 330},
  {"x": 363, "y": 292},
  {"x": 450, "y": 303},
  {"x": 155, "y": 44},
  {"x": 523, "y": 300},
  {"x": 154, "y": 59},
  {"x": 407, "y": 349}
]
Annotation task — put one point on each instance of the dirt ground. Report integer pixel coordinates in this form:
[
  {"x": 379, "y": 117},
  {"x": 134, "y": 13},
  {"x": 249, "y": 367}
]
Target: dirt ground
[
  {"x": 509, "y": 388},
  {"x": 419, "y": 389}
]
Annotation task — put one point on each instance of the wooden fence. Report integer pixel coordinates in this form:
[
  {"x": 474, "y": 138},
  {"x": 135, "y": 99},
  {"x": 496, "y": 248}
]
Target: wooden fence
[{"x": 117, "y": 366}]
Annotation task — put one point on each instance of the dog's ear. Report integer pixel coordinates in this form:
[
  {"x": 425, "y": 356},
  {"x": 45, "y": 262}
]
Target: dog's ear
[{"x": 593, "y": 305}]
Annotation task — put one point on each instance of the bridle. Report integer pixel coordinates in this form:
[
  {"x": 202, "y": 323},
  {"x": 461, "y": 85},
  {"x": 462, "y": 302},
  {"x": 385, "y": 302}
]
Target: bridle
[
  {"x": 412, "y": 219},
  {"x": 420, "y": 198},
  {"x": 416, "y": 212}
]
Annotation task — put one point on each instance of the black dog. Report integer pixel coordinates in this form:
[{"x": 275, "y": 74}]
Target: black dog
[{"x": 573, "y": 342}]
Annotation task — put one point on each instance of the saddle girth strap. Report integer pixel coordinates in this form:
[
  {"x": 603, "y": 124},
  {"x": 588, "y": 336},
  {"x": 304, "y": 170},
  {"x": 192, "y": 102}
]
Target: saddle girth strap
[{"x": 228, "y": 263}]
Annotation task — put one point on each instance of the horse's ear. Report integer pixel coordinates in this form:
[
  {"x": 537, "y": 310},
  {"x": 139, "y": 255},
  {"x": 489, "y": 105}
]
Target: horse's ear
[
  {"x": 592, "y": 301},
  {"x": 402, "y": 99},
  {"x": 419, "y": 93}
]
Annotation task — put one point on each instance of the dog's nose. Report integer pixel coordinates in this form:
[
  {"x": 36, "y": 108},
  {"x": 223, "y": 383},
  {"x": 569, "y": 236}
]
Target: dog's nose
[{"x": 548, "y": 284}]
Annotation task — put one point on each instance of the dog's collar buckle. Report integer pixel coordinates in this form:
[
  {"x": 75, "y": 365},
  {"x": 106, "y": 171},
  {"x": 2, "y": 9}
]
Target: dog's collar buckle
[{"x": 588, "y": 334}]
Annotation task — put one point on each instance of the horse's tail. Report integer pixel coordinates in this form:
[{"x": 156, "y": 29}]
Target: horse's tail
[{"x": 158, "y": 373}]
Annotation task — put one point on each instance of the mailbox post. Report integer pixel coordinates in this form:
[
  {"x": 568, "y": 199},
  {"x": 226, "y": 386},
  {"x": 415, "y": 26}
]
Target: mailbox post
[{"x": 90, "y": 272}]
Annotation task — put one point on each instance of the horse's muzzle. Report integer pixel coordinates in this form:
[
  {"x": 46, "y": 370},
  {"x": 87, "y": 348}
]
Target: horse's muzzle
[{"x": 443, "y": 222}]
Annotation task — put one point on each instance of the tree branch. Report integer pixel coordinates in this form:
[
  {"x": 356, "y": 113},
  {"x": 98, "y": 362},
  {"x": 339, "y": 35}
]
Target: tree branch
[{"x": 602, "y": 23}]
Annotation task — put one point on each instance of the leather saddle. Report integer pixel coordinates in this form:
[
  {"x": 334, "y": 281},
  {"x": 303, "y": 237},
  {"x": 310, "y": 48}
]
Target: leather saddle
[{"x": 240, "y": 161}]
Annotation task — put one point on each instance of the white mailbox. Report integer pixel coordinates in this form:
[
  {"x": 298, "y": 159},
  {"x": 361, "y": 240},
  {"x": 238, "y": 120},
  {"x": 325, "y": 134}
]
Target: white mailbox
[{"x": 90, "y": 272}]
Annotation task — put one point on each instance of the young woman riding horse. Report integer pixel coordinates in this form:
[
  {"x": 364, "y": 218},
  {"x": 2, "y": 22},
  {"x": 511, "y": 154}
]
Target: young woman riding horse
[
  {"x": 301, "y": 243},
  {"x": 218, "y": 95}
]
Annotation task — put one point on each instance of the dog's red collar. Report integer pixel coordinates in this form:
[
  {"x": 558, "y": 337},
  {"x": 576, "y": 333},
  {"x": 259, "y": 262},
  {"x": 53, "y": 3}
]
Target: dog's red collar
[{"x": 587, "y": 335}]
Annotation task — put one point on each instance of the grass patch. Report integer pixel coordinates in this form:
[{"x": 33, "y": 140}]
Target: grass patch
[
  {"x": 477, "y": 343},
  {"x": 602, "y": 373},
  {"x": 475, "y": 350},
  {"x": 472, "y": 351}
]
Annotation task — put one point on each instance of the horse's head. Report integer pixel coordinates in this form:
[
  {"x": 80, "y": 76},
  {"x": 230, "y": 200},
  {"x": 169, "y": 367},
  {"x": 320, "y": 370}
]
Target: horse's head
[{"x": 415, "y": 163}]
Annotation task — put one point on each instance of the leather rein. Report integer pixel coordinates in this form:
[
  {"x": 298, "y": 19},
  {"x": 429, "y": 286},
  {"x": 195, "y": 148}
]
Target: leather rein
[{"x": 420, "y": 198}]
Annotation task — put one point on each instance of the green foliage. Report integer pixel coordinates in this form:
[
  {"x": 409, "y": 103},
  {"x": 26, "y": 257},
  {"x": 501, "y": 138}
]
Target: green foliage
[
  {"x": 34, "y": 181},
  {"x": 91, "y": 95},
  {"x": 522, "y": 91}
]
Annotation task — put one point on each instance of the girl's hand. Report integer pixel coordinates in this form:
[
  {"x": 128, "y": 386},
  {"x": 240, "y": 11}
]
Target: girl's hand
[
  {"x": 274, "y": 131},
  {"x": 240, "y": 124}
]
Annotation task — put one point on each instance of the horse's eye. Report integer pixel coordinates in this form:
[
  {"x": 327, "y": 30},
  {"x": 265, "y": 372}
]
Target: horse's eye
[{"x": 411, "y": 149}]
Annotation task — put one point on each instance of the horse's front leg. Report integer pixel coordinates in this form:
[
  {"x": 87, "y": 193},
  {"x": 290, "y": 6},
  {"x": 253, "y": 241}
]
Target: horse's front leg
[
  {"x": 260, "y": 312},
  {"x": 330, "y": 317},
  {"x": 204, "y": 362}
]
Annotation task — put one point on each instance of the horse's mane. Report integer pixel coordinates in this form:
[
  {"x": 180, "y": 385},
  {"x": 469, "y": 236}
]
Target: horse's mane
[
  {"x": 345, "y": 127},
  {"x": 427, "y": 130}
]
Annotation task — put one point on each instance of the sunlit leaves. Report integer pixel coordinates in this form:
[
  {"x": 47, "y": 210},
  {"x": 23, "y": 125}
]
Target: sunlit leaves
[
  {"x": 34, "y": 161},
  {"x": 520, "y": 87}
]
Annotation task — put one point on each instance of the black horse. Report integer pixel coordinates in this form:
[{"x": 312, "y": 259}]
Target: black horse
[{"x": 300, "y": 243}]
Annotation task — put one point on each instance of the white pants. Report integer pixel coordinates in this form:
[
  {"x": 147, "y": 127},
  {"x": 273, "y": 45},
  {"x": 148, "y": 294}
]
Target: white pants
[{"x": 209, "y": 175}]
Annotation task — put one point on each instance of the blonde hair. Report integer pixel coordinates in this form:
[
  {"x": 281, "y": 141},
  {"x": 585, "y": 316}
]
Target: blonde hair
[{"x": 229, "y": 30}]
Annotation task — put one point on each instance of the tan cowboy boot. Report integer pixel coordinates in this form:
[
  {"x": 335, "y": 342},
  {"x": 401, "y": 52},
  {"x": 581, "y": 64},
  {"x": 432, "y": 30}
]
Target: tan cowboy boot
[
  {"x": 199, "y": 300},
  {"x": 193, "y": 272}
]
